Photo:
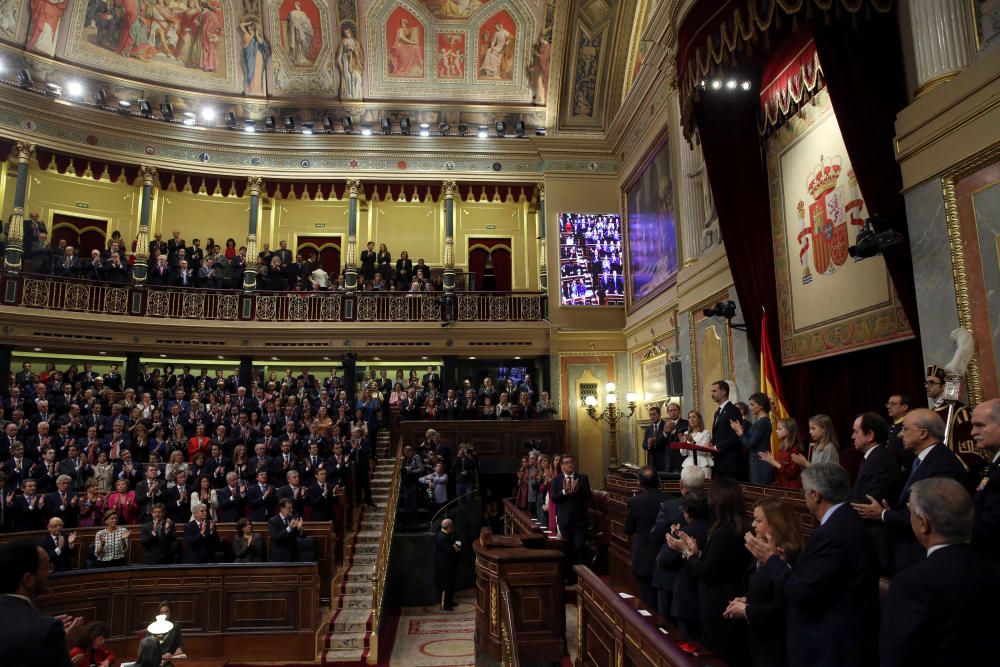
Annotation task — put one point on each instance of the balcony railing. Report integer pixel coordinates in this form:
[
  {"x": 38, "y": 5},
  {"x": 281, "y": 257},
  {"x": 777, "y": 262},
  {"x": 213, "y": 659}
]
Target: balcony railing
[{"x": 81, "y": 296}]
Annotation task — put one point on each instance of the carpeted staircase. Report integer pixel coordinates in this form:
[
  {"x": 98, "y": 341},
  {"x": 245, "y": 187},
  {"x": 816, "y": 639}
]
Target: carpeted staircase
[{"x": 349, "y": 633}]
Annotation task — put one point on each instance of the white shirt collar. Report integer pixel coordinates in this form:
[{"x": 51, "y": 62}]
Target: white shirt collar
[
  {"x": 869, "y": 451},
  {"x": 829, "y": 513},
  {"x": 923, "y": 455},
  {"x": 996, "y": 457},
  {"x": 724, "y": 404},
  {"x": 936, "y": 547}
]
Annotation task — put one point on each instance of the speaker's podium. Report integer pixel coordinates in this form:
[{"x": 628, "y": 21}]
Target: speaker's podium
[{"x": 520, "y": 600}]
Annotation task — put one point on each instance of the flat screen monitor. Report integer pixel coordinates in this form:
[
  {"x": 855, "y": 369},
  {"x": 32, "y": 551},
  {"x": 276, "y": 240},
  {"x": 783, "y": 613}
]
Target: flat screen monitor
[{"x": 590, "y": 260}]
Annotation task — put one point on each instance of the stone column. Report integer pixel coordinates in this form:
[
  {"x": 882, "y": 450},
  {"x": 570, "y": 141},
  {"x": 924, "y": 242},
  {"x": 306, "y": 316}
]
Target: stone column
[
  {"x": 255, "y": 183},
  {"x": 543, "y": 260},
  {"x": 943, "y": 40},
  {"x": 141, "y": 267},
  {"x": 351, "y": 256},
  {"x": 691, "y": 202},
  {"x": 449, "y": 237},
  {"x": 15, "y": 229}
]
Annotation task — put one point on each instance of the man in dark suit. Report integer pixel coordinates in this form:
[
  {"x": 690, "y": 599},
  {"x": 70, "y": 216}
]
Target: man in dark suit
[
  {"x": 671, "y": 512},
  {"x": 285, "y": 531},
  {"x": 150, "y": 492},
  {"x": 322, "y": 497},
  {"x": 655, "y": 441},
  {"x": 935, "y": 613},
  {"x": 728, "y": 460},
  {"x": 832, "y": 588},
  {"x": 674, "y": 434},
  {"x": 446, "y": 550},
  {"x": 60, "y": 546},
  {"x": 27, "y": 636},
  {"x": 361, "y": 462},
  {"x": 986, "y": 435},
  {"x": 922, "y": 434},
  {"x": 200, "y": 539},
  {"x": 262, "y": 498},
  {"x": 639, "y": 520},
  {"x": 571, "y": 494},
  {"x": 158, "y": 538},
  {"x": 232, "y": 499},
  {"x": 878, "y": 476}
]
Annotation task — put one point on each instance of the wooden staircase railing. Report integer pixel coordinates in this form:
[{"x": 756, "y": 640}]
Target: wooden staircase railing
[{"x": 384, "y": 552}]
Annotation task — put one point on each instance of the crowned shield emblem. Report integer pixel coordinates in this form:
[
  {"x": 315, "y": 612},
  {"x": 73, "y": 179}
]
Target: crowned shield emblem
[{"x": 826, "y": 222}]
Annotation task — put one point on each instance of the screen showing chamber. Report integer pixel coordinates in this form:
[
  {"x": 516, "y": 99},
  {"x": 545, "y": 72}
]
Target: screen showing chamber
[{"x": 590, "y": 260}]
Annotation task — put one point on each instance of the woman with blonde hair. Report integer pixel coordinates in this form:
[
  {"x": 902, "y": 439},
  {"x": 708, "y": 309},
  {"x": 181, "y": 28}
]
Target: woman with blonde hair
[
  {"x": 763, "y": 606},
  {"x": 823, "y": 445},
  {"x": 787, "y": 470},
  {"x": 697, "y": 434}
]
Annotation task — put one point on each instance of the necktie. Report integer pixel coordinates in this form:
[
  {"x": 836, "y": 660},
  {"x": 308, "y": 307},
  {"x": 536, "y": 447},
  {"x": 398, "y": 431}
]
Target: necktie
[{"x": 916, "y": 464}]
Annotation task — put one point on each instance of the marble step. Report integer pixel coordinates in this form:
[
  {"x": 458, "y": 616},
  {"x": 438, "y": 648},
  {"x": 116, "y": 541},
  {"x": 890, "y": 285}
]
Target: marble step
[
  {"x": 365, "y": 549},
  {"x": 364, "y": 560},
  {"x": 359, "y": 573},
  {"x": 344, "y": 655},
  {"x": 357, "y": 588},
  {"x": 349, "y": 620},
  {"x": 340, "y": 640},
  {"x": 355, "y": 602}
]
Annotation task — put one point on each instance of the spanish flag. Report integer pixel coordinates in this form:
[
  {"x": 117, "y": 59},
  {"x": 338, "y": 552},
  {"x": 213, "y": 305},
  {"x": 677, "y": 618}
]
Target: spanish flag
[{"x": 769, "y": 384}]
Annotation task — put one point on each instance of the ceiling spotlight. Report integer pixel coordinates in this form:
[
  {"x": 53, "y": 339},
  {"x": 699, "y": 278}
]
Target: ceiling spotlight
[
  {"x": 444, "y": 128},
  {"x": 307, "y": 128},
  {"x": 404, "y": 125},
  {"x": 100, "y": 98},
  {"x": 189, "y": 118},
  {"x": 425, "y": 126},
  {"x": 288, "y": 122},
  {"x": 745, "y": 85},
  {"x": 716, "y": 84},
  {"x": 124, "y": 106},
  {"x": 269, "y": 123},
  {"x": 145, "y": 108},
  {"x": 425, "y": 133},
  {"x": 328, "y": 123},
  {"x": 24, "y": 79},
  {"x": 230, "y": 119},
  {"x": 463, "y": 129},
  {"x": 208, "y": 114},
  {"x": 731, "y": 84},
  {"x": 386, "y": 125},
  {"x": 53, "y": 90},
  {"x": 366, "y": 131},
  {"x": 167, "y": 111},
  {"x": 249, "y": 126},
  {"x": 482, "y": 134},
  {"x": 519, "y": 128},
  {"x": 74, "y": 89},
  {"x": 501, "y": 127}
]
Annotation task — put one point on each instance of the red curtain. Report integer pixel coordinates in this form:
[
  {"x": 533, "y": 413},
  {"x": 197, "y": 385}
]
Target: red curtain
[
  {"x": 327, "y": 248},
  {"x": 498, "y": 251},
  {"x": 84, "y": 234}
]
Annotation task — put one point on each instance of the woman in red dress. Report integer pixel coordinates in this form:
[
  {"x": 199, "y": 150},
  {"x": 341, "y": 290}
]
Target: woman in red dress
[{"x": 787, "y": 473}]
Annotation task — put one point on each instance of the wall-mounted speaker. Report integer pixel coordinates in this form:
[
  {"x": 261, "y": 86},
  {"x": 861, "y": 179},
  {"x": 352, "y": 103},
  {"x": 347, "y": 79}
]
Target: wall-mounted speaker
[{"x": 675, "y": 379}]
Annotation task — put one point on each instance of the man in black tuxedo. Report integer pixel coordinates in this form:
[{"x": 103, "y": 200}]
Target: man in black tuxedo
[
  {"x": 158, "y": 538},
  {"x": 27, "y": 636},
  {"x": 832, "y": 588},
  {"x": 655, "y": 441},
  {"x": 60, "y": 546},
  {"x": 935, "y": 613},
  {"x": 285, "y": 531},
  {"x": 201, "y": 541},
  {"x": 728, "y": 460},
  {"x": 671, "y": 512},
  {"x": 878, "y": 476},
  {"x": 986, "y": 435},
  {"x": 232, "y": 499},
  {"x": 640, "y": 517},
  {"x": 571, "y": 494},
  {"x": 923, "y": 435}
]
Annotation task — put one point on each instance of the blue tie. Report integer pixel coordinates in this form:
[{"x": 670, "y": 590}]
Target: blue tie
[{"x": 916, "y": 464}]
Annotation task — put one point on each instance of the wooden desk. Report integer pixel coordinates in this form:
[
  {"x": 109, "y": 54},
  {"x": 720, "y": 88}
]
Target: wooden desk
[
  {"x": 611, "y": 631},
  {"x": 499, "y": 444},
  {"x": 537, "y": 603},
  {"x": 267, "y": 611}
]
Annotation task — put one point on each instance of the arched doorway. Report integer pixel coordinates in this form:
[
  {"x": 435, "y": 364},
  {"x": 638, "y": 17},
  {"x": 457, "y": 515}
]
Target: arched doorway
[
  {"x": 490, "y": 262},
  {"x": 325, "y": 248},
  {"x": 84, "y": 234}
]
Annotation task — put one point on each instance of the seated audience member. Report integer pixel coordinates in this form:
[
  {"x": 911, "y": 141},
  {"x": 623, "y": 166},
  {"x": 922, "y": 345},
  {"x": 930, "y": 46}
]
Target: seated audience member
[
  {"x": 640, "y": 517},
  {"x": 158, "y": 538},
  {"x": 60, "y": 546},
  {"x": 27, "y": 636},
  {"x": 111, "y": 542},
  {"x": 923, "y": 435},
  {"x": 248, "y": 547},
  {"x": 669, "y": 514},
  {"x": 201, "y": 541},
  {"x": 89, "y": 650},
  {"x": 935, "y": 611},
  {"x": 832, "y": 587},
  {"x": 757, "y": 439},
  {"x": 787, "y": 473},
  {"x": 986, "y": 435},
  {"x": 763, "y": 606},
  {"x": 285, "y": 531},
  {"x": 719, "y": 567}
]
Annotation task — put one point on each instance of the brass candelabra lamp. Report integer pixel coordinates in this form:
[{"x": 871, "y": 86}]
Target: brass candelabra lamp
[{"x": 611, "y": 414}]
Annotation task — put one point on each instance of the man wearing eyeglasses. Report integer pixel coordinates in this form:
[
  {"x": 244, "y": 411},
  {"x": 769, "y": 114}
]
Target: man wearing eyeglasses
[{"x": 959, "y": 438}]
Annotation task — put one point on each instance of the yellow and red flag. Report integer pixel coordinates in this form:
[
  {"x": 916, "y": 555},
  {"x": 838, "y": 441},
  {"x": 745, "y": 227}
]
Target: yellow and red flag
[{"x": 769, "y": 384}]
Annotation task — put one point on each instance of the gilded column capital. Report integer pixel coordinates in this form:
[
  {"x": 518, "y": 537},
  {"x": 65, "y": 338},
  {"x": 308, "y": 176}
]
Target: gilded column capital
[
  {"x": 354, "y": 187},
  {"x": 256, "y": 184},
  {"x": 24, "y": 151},
  {"x": 450, "y": 188},
  {"x": 148, "y": 174},
  {"x": 541, "y": 191}
]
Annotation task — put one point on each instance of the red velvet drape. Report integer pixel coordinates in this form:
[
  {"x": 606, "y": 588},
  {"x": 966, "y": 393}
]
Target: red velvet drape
[
  {"x": 327, "y": 248},
  {"x": 84, "y": 234},
  {"x": 498, "y": 251}
]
